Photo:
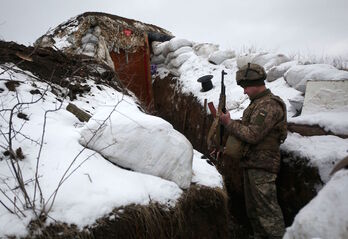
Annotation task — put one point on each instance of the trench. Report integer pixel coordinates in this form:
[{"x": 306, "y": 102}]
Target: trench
[
  {"x": 296, "y": 181},
  {"x": 201, "y": 212}
]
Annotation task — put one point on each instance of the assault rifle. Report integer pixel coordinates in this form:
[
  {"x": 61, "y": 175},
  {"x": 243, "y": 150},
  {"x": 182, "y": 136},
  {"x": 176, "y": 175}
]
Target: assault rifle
[{"x": 217, "y": 128}]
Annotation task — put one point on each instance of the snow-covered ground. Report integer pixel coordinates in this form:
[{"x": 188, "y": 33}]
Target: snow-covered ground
[
  {"x": 97, "y": 183},
  {"x": 92, "y": 182}
]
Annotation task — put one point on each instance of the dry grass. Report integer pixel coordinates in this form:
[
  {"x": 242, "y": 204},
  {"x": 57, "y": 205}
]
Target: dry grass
[{"x": 201, "y": 212}]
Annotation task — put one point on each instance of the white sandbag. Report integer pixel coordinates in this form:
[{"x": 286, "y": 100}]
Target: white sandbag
[
  {"x": 175, "y": 72},
  {"x": 157, "y": 47},
  {"x": 218, "y": 57},
  {"x": 297, "y": 76},
  {"x": 159, "y": 59},
  {"x": 89, "y": 47},
  {"x": 89, "y": 38},
  {"x": 174, "y": 44},
  {"x": 143, "y": 143},
  {"x": 269, "y": 60},
  {"x": 242, "y": 60},
  {"x": 205, "y": 49},
  {"x": 229, "y": 63},
  {"x": 181, "y": 50},
  {"x": 278, "y": 71},
  {"x": 178, "y": 61},
  {"x": 266, "y": 60}
]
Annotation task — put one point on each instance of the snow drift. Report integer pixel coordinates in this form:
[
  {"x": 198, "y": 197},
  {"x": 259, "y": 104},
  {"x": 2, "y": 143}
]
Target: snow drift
[{"x": 326, "y": 215}]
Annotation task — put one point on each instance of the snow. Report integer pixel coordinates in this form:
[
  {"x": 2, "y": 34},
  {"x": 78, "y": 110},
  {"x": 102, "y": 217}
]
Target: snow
[
  {"x": 287, "y": 93},
  {"x": 335, "y": 122},
  {"x": 61, "y": 43},
  {"x": 326, "y": 215},
  {"x": 141, "y": 142},
  {"x": 204, "y": 173},
  {"x": 91, "y": 181},
  {"x": 322, "y": 152}
]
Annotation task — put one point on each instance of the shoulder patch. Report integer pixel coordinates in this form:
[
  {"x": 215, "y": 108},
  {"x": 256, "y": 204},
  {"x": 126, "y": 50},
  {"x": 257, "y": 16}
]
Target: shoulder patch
[{"x": 260, "y": 118}]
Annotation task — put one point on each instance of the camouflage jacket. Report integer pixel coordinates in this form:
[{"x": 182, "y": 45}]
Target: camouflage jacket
[{"x": 262, "y": 129}]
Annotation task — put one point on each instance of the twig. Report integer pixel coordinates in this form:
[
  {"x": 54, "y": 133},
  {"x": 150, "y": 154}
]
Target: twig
[
  {"x": 40, "y": 149},
  {"x": 8, "y": 209},
  {"x": 13, "y": 203},
  {"x": 54, "y": 194}
]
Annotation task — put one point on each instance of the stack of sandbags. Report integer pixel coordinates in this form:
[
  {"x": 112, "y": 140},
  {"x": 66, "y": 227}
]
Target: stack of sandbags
[
  {"x": 278, "y": 71},
  {"x": 157, "y": 47},
  {"x": 266, "y": 60},
  {"x": 298, "y": 75},
  {"x": 93, "y": 44},
  {"x": 218, "y": 57},
  {"x": 172, "y": 54}
]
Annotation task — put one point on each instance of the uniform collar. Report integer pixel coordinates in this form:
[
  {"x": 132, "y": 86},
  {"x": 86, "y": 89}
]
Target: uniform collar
[{"x": 263, "y": 93}]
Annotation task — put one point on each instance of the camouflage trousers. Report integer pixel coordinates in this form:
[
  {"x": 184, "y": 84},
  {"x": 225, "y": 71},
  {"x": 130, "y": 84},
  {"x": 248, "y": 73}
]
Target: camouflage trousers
[{"x": 261, "y": 202}]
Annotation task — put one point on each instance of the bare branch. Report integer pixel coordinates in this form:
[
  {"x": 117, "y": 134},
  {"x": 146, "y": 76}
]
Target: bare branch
[
  {"x": 40, "y": 150},
  {"x": 8, "y": 208},
  {"x": 13, "y": 190},
  {"x": 63, "y": 178},
  {"x": 8, "y": 198}
]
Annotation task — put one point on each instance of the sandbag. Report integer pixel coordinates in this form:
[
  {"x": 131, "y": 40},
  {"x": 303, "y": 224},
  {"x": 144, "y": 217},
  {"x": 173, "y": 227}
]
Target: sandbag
[
  {"x": 205, "y": 49},
  {"x": 141, "y": 142},
  {"x": 175, "y": 44},
  {"x": 218, "y": 57},
  {"x": 297, "y": 76}
]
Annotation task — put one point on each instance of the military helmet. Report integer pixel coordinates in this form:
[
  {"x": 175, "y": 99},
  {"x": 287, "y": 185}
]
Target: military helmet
[{"x": 251, "y": 75}]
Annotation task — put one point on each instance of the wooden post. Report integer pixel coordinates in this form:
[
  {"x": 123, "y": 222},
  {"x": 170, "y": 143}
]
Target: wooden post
[
  {"x": 204, "y": 122},
  {"x": 80, "y": 114}
]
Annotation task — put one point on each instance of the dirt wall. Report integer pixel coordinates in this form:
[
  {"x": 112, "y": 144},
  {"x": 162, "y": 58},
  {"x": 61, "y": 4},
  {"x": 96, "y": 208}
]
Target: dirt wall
[{"x": 200, "y": 213}]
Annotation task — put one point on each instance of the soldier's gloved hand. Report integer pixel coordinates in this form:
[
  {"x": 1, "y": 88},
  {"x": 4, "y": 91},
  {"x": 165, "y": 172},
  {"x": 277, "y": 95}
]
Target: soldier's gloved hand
[{"x": 225, "y": 119}]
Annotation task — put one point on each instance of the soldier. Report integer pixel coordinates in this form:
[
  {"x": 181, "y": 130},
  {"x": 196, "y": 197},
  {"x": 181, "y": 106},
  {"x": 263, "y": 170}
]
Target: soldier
[{"x": 259, "y": 134}]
